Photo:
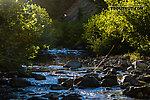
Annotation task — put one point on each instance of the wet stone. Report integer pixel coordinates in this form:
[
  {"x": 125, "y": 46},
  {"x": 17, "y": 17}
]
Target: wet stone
[
  {"x": 56, "y": 87},
  {"x": 38, "y": 77},
  {"x": 60, "y": 80},
  {"x": 73, "y": 64},
  {"x": 138, "y": 92},
  {"x": 109, "y": 81},
  {"x": 145, "y": 78},
  {"x": 68, "y": 83},
  {"x": 131, "y": 79},
  {"x": 87, "y": 82}
]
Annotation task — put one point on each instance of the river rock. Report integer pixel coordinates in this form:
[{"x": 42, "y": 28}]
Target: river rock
[
  {"x": 60, "y": 80},
  {"x": 19, "y": 82},
  {"x": 40, "y": 77},
  {"x": 137, "y": 92},
  {"x": 73, "y": 64},
  {"x": 37, "y": 76},
  {"x": 140, "y": 65},
  {"x": 145, "y": 78},
  {"x": 112, "y": 71},
  {"x": 72, "y": 96},
  {"x": 109, "y": 81},
  {"x": 68, "y": 83},
  {"x": 92, "y": 75},
  {"x": 56, "y": 87},
  {"x": 131, "y": 79},
  {"x": 87, "y": 82},
  {"x": 124, "y": 85}
]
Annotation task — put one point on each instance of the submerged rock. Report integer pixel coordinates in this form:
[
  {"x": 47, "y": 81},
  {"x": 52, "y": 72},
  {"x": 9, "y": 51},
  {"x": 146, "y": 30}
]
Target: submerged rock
[
  {"x": 73, "y": 64},
  {"x": 137, "y": 92}
]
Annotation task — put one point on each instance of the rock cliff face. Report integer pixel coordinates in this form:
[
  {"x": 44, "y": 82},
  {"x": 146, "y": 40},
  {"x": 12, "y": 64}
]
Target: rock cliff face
[
  {"x": 84, "y": 9},
  {"x": 81, "y": 9}
]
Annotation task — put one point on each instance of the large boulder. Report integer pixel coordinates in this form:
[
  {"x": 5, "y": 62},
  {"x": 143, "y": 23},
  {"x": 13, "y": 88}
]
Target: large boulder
[
  {"x": 131, "y": 79},
  {"x": 95, "y": 75},
  {"x": 19, "y": 83},
  {"x": 145, "y": 78},
  {"x": 68, "y": 83},
  {"x": 137, "y": 92},
  {"x": 140, "y": 65},
  {"x": 109, "y": 80},
  {"x": 87, "y": 82},
  {"x": 73, "y": 64}
]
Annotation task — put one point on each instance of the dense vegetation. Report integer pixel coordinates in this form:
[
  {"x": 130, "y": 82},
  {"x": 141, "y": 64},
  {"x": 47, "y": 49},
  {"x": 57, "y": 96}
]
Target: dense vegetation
[
  {"x": 120, "y": 26},
  {"x": 26, "y": 27},
  {"x": 21, "y": 28}
]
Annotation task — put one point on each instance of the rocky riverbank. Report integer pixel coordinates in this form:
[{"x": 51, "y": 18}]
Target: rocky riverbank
[{"x": 115, "y": 78}]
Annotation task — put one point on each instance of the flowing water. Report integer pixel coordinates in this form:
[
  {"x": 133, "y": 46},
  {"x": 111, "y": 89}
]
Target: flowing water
[{"x": 42, "y": 87}]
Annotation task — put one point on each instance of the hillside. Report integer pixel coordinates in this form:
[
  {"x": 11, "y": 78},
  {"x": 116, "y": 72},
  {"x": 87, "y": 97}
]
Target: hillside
[
  {"x": 83, "y": 9},
  {"x": 74, "y": 9}
]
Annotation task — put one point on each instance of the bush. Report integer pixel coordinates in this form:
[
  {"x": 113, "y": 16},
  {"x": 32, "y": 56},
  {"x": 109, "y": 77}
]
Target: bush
[
  {"x": 21, "y": 26},
  {"x": 121, "y": 26}
]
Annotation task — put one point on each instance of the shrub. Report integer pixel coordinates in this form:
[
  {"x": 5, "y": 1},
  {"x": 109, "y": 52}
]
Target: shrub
[
  {"x": 130, "y": 26},
  {"x": 21, "y": 26}
]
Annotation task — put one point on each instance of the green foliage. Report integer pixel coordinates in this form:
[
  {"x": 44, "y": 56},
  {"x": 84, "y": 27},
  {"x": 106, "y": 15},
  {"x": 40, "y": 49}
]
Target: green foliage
[
  {"x": 21, "y": 26},
  {"x": 133, "y": 56},
  {"x": 68, "y": 34},
  {"x": 130, "y": 26}
]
